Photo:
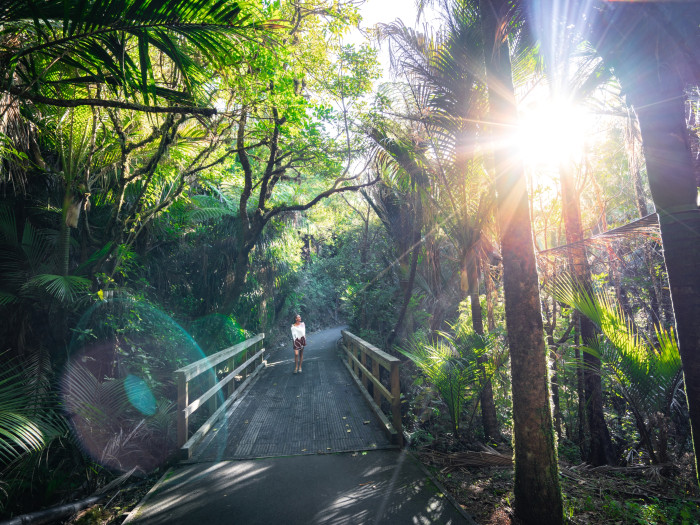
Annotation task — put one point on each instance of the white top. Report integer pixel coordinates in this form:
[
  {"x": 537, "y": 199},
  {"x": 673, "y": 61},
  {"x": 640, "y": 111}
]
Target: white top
[{"x": 298, "y": 331}]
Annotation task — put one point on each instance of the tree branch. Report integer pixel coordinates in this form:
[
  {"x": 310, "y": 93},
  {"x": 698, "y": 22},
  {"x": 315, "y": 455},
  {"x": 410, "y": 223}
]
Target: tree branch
[
  {"x": 315, "y": 200},
  {"x": 96, "y": 102}
]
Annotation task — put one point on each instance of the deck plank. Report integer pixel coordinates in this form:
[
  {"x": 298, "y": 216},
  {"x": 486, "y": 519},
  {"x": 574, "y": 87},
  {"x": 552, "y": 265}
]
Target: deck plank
[{"x": 286, "y": 414}]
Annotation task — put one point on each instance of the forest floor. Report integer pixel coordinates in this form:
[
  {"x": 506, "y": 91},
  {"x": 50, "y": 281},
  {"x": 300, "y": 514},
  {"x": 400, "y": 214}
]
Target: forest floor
[{"x": 604, "y": 495}]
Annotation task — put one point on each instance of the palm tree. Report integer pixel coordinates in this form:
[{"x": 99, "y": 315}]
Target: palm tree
[
  {"x": 537, "y": 491},
  {"x": 71, "y": 54},
  {"x": 399, "y": 153},
  {"x": 559, "y": 42},
  {"x": 445, "y": 74},
  {"x": 652, "y": 49}
]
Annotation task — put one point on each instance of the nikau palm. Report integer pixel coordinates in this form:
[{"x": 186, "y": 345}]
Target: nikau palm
[
  {"x": 537, "y": 492},
  {"x": 100, "y": 52},
  {"x": 647, "y": 375},
  {"x": 445, "y": 75}
]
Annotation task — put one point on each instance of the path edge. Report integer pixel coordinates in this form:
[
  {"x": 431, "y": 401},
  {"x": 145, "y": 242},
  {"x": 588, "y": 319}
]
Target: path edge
[
  {"x": 137, "y": 509},
  {"x": 442, "y": 489}
]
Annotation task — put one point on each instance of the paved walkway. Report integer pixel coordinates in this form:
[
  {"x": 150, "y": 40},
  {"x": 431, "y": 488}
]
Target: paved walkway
[{"x": 297, "y": 426}]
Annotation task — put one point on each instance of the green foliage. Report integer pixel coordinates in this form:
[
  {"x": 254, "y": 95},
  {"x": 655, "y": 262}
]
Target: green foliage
[
  {"x": 215, "y": 332},
  {"x": 114, "y": 44},
  {"x": 26, "y": 426},
  {"x": 446, "y": 370},
  {"x": 30, "y": 421},
  {"x": 648, "y": 375}
]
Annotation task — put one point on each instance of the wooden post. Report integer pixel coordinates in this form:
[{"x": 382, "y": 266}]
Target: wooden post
[
  {"x": 231, "y": 387},
  {"x": 210, "y": 381},
  {"x": 182, "y": 402},
  {"x": 396, "y": 401},
  {"x": 244, "y": 372},
  {"x": 376, "y": 372},
  {"x": 363, "y": 360}
]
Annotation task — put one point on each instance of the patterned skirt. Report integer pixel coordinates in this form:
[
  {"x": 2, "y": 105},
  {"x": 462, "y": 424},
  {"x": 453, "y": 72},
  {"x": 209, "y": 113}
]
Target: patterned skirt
[{"x": 300, "y": 343}]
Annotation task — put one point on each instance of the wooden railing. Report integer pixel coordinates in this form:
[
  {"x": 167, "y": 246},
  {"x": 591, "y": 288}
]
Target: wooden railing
[
  {"x": 185, "y": 375},
  {"x": 360, "y": 356}
]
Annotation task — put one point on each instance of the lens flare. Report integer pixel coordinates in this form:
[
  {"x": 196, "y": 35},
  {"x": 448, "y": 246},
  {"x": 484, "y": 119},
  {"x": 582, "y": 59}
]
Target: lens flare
[
  {"x": 139, "y": 395},
  {"x": 118, "y": 387}
]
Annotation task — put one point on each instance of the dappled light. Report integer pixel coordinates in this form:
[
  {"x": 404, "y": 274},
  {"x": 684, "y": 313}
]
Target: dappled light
[{"x": 349, "y": 261}]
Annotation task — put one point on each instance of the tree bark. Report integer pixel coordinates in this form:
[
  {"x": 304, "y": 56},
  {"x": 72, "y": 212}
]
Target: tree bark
[
  {"x": 601, "y": 449},
  {"x": 649, "y": 48},
  {"x": 417, "y": 225},
  {"x": 674, "y": 190},
  {"x": 537, "y": 492},
  {"x": 488, "y": 406}
]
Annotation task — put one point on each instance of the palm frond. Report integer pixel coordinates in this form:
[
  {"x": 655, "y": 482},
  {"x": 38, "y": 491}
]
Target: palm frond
[
  {"x": 93, "y": 40},
  {"x": 647, "y": 374},
  {"x": 26, "y": 424},
  {"x": 8, "y": 226},
  {"x": 65, "y": 288},
  {"x": 445, "y": 369}
]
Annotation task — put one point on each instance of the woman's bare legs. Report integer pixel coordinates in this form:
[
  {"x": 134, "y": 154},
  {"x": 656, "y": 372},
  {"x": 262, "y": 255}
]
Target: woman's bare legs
[
  {"x": 301, "y": 357},
  {"x": 296, "y": 360}
]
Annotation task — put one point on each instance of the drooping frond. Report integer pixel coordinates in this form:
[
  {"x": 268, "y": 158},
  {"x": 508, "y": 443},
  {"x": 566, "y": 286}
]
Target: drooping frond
[
  {"x": 648, "y": 374},
  {"x": 54, "y": 44}
]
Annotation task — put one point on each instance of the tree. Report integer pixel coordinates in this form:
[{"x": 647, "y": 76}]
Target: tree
[
  {"x": 537, "y": 492},
  {"x": 444, "y": 72},
  {"x": 285, "y": 160},
  {"x": 84, "y": 53},
  {"x": 558, "y": 42},
  {"x": 652, "y": 49}
]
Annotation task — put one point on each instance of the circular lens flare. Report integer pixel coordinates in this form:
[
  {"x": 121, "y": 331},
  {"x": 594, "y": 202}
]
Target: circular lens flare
[
  {"x": 139, "y": 395},
  {"x": 118, "y": 385}
]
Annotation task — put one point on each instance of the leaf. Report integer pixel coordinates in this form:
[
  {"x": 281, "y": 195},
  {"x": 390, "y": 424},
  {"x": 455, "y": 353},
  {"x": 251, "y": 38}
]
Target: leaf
[{"x": 65, "y": 288}]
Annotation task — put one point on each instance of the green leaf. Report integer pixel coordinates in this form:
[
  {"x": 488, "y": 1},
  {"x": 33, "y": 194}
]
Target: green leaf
[{"x": 65, "y": 288}]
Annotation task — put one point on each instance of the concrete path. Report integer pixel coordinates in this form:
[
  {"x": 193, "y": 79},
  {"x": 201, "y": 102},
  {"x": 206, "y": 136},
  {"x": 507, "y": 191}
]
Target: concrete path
[{"x": 365, "y": 486}]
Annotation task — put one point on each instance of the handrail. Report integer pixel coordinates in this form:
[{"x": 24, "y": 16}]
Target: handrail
[
  {"x": 355, "y": 347},
  {"x": 186, "y": 374}
]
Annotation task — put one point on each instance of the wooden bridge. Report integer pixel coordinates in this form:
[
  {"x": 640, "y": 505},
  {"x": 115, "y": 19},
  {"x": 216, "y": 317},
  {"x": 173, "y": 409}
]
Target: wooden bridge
[
  {"x": 320, "y": 447},
  {"x": 324, "y": 409}
]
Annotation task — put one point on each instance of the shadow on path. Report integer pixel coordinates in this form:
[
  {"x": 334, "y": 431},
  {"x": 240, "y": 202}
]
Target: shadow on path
[
  {"x": 319, "y": 411},
  {"x": 301, "y": 414}
]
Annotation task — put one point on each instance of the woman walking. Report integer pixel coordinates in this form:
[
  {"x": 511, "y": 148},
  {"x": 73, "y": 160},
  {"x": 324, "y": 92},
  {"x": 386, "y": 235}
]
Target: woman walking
[{"x": 299, "y": 337}]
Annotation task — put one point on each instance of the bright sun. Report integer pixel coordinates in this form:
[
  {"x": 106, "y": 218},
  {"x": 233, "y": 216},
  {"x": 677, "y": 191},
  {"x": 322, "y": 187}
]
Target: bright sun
[{"x": 552, "y": 133}]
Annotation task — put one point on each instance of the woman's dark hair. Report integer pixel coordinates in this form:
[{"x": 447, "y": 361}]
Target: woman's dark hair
[{"x": 295, "y": 317}]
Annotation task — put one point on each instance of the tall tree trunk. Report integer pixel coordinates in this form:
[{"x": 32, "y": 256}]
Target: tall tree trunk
[
  {"x": 633, "y": 160},
  {"x": 660, "y": 108},
  {"x": 490, "y": 298},
  {"x": 537, "y": 492},
  {"x": 642, "y": 43},
  {"x": 488, "y": 406},
  {"x": 583, "y": 444},
  {"x": 549, "y": 327},
  {"x": 417, "y": 227},
  {"x": 601, "y": 449}
]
